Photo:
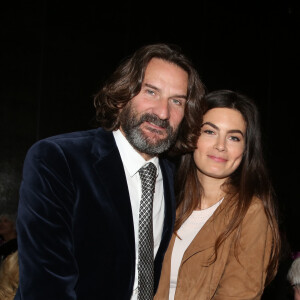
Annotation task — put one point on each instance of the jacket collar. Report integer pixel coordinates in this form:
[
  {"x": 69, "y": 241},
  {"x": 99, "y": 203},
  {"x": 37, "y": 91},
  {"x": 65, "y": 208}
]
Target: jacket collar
[{"x": 208, "y": 234}]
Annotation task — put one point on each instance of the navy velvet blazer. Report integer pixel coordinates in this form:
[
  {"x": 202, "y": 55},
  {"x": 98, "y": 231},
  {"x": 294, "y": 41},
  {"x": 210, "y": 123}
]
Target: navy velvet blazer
[{"x": 75, "y": 227}]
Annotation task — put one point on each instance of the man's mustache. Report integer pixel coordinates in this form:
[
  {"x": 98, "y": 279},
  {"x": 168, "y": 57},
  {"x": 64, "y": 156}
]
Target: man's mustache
[{"x": 155, "y": 120}]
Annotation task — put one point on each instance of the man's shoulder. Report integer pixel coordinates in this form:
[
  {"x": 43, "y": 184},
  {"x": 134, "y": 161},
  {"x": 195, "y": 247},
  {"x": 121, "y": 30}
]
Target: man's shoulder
[
  {"x": 72, "y": 142},
  {"x": 70, "y": 136},
  {"x": 74, "y": 138}
]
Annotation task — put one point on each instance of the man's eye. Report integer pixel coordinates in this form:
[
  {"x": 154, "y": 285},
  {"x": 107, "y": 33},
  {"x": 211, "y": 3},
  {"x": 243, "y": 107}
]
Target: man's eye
[
  {"x": 150, "y": 92},
  {"x": 177, "y": 102}
]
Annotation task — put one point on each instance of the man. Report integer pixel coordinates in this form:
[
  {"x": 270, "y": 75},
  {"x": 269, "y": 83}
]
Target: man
[
  {"x": 293, "y": 277},
  {"x": 78, "y": 217}
]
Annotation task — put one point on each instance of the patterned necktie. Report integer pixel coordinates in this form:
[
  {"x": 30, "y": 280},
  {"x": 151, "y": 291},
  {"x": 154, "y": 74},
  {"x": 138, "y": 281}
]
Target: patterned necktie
[{"x": 146, "y": 255}]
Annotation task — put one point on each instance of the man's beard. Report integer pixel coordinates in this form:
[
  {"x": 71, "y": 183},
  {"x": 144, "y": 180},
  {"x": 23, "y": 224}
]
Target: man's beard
[{"x": 130, "y": 124}]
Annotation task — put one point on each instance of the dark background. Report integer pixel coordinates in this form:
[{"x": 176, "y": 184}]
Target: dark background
[{"x": 56, "y": 54}]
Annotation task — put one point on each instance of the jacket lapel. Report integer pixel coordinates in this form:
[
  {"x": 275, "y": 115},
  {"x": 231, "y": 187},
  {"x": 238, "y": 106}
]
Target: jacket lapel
[
  {"x": 168, "y": 182},
  {"x": 167, "y": 173},
  {"x": 109, "y": 167},
  {"x": 208, "y": 234}
]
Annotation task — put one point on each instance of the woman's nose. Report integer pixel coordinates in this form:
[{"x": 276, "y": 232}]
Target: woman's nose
[{"x": 220, "y": 145}]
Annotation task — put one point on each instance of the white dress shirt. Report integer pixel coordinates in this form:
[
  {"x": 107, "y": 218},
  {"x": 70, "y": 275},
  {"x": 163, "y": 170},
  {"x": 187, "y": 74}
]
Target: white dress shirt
[{"x": 132, "y": 162}]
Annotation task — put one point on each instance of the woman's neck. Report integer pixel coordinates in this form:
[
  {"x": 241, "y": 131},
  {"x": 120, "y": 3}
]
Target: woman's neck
[{"x": 212, "y": 192}]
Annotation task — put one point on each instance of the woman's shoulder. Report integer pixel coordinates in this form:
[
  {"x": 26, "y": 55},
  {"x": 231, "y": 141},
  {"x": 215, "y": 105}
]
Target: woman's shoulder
[
  {"x": 230, "y": 206},
  {"x": 256, "y": 212},
  {"x": 256, "y": 205}
]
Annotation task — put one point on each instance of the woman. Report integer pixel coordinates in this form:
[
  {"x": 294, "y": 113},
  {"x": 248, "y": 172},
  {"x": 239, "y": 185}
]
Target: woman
[
  {"x": 7, "y": 227},
  {"x": 8, "y": 235},
  {"x": 226, "y": 239},
  {"x": 9, "y": 276}
]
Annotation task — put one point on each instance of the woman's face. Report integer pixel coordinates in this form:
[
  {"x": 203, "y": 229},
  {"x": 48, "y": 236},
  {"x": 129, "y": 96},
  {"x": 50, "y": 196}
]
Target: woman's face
[
  {"x": 6, "y": 226},
  {"x": 221, "y": 143}
]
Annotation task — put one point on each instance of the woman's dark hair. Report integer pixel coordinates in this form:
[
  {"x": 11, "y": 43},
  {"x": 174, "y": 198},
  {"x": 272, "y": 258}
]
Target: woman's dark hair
[
  {"x": 250, "y": 180},
  {"x": 125, "y": 83}
]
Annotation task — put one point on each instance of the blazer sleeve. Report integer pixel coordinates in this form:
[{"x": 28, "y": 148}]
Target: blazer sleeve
[
  {"x": 48, "y": 268},
  {"x": 245, "y": 278}
]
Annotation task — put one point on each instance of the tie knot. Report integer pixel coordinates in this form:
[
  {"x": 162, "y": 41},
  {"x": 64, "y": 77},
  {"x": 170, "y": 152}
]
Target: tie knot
[{"x": 148, "y": 175}]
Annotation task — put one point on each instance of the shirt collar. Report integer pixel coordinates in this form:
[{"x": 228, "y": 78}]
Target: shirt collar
[{"x": 131, "y": 159}]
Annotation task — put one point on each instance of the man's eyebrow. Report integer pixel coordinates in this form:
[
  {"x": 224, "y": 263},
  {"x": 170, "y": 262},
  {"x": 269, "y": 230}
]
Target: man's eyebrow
[
  {"x": 158, "y": 89},
  {"x": 152, "y": 87},
  {"x": 217, "y": 128}
]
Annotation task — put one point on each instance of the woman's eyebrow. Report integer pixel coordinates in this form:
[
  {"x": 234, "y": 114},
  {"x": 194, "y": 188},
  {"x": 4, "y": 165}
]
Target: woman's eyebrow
[
  {"x": 210, "y": 124},
  {"x": 217, "y": 128}
]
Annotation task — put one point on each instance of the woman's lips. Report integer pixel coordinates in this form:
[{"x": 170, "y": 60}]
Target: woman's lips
[{"x": 217, "y": 159}]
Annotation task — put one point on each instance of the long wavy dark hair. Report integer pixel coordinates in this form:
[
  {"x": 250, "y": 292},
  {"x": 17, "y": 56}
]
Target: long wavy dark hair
[
  {"x": 125, "y": 83},
  {"x": 250, "y": 180}
]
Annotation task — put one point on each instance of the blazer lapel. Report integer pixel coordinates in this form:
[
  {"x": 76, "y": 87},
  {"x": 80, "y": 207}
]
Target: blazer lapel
[
  {"x": 208, "y": 234},
  {"x": 109, "y": 167},
  {"x": 169, "y": 197}
]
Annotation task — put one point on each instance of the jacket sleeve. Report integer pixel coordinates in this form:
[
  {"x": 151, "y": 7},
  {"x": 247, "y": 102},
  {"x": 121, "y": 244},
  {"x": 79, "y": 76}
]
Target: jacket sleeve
[
  {"x": 245, "y": 278},
  {"x": 48, "y": 268}
]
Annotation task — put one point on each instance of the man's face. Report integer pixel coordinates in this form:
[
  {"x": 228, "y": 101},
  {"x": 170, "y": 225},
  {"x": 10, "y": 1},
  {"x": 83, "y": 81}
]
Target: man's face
[{"x": 151, "y": 119}]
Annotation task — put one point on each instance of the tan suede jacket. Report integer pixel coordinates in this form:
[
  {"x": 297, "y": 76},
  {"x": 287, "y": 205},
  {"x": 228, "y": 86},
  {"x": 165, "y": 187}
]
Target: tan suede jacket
[{"x": 227, "y": 278}]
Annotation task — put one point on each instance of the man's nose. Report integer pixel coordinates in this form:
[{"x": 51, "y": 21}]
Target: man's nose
[{"x": 162, "y": 109}]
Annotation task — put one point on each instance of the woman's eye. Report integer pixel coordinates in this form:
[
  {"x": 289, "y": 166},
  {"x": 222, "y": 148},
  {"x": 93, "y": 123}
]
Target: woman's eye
[
  {"x": 234, "y": 138},
  {"x": 208, "y": 131}
]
